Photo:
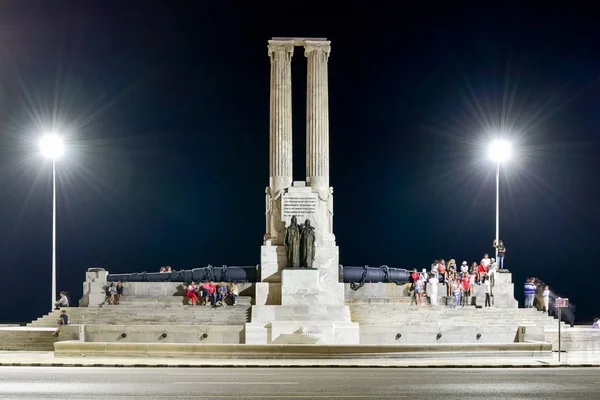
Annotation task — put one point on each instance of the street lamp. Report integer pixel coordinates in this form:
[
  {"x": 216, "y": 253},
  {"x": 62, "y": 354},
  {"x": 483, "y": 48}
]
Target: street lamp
[
  {"x": 499, "y": 152},
  {"x": 52, "y": 147}
]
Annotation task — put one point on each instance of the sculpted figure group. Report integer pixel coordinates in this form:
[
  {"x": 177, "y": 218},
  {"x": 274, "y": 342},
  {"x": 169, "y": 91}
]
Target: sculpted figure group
[{"x": 300, "y": 244}]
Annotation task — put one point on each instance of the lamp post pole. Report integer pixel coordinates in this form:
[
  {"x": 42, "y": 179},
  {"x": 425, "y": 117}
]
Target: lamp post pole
[
  {"x": 497, "y": 207},
  {"x": 53, "y": 233},
  {"x": 52, "y": 148}
]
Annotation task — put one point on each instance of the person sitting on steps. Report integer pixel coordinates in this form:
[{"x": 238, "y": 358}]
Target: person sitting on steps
[
  {"x": 62, "y": 302},
  {"x": 221, "y": 293},
  {"x": 234, "y": 292},
  {"x": 63, "y": 319}
]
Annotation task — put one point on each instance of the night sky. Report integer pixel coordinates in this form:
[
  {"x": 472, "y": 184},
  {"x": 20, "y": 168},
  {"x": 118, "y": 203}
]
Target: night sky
[{"x": 165, "y": 108}]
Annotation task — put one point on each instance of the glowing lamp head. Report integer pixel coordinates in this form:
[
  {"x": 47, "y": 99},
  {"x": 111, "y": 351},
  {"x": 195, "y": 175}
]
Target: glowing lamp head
[
  {"x": 52, "y": 146},
  {"x": 500, "y": 151}
]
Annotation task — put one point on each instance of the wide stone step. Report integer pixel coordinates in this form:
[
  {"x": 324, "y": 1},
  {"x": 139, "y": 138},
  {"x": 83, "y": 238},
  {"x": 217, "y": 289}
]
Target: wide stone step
[{"x": 27, "y": 339}]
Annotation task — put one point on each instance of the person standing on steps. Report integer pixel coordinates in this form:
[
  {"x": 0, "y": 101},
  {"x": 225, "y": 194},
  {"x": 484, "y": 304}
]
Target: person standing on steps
[
  {"x": 529, "y": 292},
  {"x": 487, "y": 284},
  {"x": 432, "y": 288},
  {"x": 119, "y": 291},
  {"x": 501, "y": 253},
  {"x": 546, "y": 297}
]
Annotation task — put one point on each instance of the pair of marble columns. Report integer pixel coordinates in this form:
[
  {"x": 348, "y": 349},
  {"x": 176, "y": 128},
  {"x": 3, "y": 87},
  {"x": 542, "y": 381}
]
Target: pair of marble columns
[{"x": 317, "y": 114}]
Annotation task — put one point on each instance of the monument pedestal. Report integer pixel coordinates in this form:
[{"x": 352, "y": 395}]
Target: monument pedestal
[{"x": 312, "y": 311}]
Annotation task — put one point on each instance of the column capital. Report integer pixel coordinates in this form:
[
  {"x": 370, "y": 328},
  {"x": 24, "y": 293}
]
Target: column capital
[
  {"x": 281, "y": 45},
  {"x": 311, "y": 46}
]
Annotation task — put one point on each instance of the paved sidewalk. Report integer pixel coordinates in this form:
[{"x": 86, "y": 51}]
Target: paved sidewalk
[{"x": 45, "y": 359}]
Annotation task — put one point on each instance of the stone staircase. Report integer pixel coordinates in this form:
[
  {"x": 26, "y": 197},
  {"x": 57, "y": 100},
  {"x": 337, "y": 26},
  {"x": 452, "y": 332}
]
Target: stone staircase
[
  {"x": 146, "y": 310},
  {"x": 388, "y": 315},
  {"x": 152, "y": 319},
  {"x": 27, "y": 339}
]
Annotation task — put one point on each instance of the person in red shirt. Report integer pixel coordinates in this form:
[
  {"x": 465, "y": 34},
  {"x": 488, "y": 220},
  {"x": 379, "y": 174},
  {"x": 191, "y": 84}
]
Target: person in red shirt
[
  {"x": 465, "y": 285},
  {"x": 212, "y": 292},
  {"x": 414, "y": 276},
  {"x": 481, "y": 270}
]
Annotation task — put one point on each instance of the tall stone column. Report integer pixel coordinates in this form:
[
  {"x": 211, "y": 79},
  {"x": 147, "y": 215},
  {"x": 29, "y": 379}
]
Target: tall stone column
[
  {"x": 280, "y": 149},
  {"x": 317, "y": 116}
]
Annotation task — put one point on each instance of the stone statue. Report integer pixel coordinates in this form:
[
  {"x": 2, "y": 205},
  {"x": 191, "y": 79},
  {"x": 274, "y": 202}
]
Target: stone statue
[
  {"x": 307, "y": 245},
  {"x": 292, "y": 244}
]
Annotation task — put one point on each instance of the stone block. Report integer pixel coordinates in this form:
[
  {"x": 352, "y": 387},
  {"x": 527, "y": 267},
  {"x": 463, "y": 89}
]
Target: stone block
[
  {"x": 267, "y": 293},
  {"x": 299, "y": 286},
  {"x": 272, "y": 260}
]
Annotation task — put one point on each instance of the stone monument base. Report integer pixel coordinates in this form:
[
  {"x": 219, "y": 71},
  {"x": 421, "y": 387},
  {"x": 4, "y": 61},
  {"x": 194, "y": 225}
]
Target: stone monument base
[
  {"x": 301, "y": 324},
  {"x": 296, "y": 286},
  {"x": 312, "y": 310}
]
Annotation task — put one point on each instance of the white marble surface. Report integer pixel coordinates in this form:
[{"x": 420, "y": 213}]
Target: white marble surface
[
  {"x": 93, "y": 289},
  {"x": 299, "y": 286},
  {"x": 267, "y": 293},
  {"x": 272, "y": 260},
  {"x": 327, "y": 332},
  {"x": 270, "y": 313},
  {"x": 280, "y": 149}
]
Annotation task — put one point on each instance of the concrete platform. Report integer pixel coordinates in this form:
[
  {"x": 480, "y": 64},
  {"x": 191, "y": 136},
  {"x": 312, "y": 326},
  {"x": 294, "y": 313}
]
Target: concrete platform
[{"x": 244, "y": 351}]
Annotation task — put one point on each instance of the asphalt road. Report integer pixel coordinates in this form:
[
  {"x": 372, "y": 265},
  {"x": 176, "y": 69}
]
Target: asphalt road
[{"x": 303, "y": 383}]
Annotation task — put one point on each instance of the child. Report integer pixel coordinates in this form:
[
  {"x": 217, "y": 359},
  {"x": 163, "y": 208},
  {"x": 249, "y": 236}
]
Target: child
[
  {"x": 465, "y": 281},
  {"x": 546, "y": 297}
]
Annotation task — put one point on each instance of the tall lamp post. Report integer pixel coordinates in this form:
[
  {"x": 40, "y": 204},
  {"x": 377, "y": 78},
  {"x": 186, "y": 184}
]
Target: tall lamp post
[
  {"x": 499, "y": 152},
  {"x": 52, "y": 147}
]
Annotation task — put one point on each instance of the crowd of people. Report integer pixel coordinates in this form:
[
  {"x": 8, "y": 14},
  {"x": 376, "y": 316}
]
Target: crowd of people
[
  {"x": 211, "y": 293},
  {"x": 460, "y": 280}
]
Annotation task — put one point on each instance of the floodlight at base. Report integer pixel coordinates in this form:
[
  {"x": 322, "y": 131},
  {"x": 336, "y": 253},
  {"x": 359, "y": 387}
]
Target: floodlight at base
[
  {"x": 52, "y": 146},
  {"x": 500, "y": 151}
]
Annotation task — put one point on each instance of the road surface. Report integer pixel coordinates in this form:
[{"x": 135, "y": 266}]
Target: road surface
[{"x": 297, "y": 383}]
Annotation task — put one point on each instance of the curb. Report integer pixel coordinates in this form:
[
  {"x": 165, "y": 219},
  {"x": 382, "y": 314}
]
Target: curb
[{"x": 454, "y": 366}]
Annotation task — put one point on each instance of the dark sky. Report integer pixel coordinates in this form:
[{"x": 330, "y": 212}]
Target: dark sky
[{"x": 165, "y": 106}]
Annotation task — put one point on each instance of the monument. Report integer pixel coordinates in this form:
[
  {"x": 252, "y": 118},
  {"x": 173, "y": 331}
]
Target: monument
[{"x": 303, "y": 304}]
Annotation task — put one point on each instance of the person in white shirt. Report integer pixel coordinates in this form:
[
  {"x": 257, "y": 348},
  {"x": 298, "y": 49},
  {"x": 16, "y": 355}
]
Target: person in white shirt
[
  {"x": 546, "y": 297},
  {"x": 112, "y": 291},
  {"x": 434, "y": 269},
  {"x": 486, "y": 260},
  {"x": 432, "y": 289},
  {"x": 596, "y": 323},
  {"x": 63, "y": 301},
  {"x": 464, "y": 268}
]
